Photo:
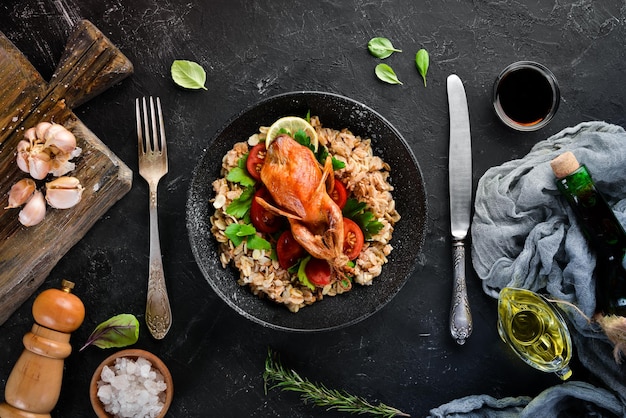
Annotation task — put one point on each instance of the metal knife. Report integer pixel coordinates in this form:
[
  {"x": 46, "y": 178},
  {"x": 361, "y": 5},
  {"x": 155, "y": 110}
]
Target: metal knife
[{"x": 460, "y": 182}]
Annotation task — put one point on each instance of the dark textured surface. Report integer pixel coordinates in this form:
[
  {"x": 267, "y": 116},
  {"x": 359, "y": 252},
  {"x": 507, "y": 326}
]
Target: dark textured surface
[{"x": 403, "y": 354}]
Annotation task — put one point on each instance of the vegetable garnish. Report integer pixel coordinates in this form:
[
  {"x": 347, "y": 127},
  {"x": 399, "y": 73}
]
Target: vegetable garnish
[
  {"x": 302, "y": 274},
  {"x": 381, "y": 47},
  {"x": 237, "y": 233},
  {"x": 241, "y": 176},
  {"x": 285, "y": 379},
  {"x": 386, "y": 74},
  {"x": 357, "y": 212},
  {"x": 119, "y": 331},
  {"x": 291, "y": 125},
  {"x": 188, "y": 74},
  {"x": 240, "y": 207},
  {"x": 422, "y": 61}
]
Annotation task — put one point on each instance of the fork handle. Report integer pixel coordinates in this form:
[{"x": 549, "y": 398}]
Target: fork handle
[{"x": 158, "y": 311}]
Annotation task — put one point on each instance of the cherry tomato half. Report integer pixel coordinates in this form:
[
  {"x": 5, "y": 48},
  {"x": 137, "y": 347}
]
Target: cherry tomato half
[
  {"x": 256, "y": 158},
  {"x": 353, "y": 239},
  {"x": 318, "y": 272},
  {"x": 289, "y": 251},
  {"x": 339, "y": 194},
  {"x": 262, "y": 219}
]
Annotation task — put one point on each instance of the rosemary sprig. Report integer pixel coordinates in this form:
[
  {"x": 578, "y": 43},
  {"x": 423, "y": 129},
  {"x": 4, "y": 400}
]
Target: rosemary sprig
[{"x": 319, "y": 394}]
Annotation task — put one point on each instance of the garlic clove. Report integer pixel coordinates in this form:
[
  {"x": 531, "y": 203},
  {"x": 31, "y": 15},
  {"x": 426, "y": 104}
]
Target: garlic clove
[
  {"x": 31, "y": 135},
  {"x": 39, "y": 165},
  {"x": 20, "y": 193},
  {"x": 59, "y": 137},
  {"x": 64, "y": 192},
  {"x": 23, "y": 148},
  {"x": 66, "y": 182},
  {"x": 34, "y": 211},
  {"x": 40, "y": 130}
]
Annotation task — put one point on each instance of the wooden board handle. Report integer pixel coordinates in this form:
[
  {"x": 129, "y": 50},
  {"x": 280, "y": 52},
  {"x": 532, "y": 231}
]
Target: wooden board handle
[{"x": 89, "y": 65}]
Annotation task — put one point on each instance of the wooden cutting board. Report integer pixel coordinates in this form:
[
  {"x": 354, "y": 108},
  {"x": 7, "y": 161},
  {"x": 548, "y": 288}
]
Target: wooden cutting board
[{"x": 90, "y": 64}]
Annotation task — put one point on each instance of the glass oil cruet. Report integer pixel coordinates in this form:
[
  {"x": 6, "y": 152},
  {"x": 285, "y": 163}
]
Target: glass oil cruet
[{"x": 535, "y": 331}]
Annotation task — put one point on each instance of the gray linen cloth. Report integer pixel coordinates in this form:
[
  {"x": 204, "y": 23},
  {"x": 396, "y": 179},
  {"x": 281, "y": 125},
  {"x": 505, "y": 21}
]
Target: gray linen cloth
[{"x": 525, "y": 235}]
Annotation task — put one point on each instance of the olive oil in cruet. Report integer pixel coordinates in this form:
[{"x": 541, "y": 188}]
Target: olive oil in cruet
[{"x": 535, "y": 331}]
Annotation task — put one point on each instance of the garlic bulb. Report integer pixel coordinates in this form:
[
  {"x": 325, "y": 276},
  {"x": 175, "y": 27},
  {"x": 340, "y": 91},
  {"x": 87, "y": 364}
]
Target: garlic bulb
[
  {"x": 34, "y": 211},
  {"x": 39, "y": 164},
  {"x": 20, "y": 193},
  {"x": 60, "y": 138},
  {"x": 64, "y": 192},
  {"x": 47, "y": 148}
]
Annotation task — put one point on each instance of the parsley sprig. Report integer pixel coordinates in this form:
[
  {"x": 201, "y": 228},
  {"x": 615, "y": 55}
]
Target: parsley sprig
[
  {"x": 356, "y": 211},
  {"x": 322, "y": 152},
  {"x": 240, "y": 209}
]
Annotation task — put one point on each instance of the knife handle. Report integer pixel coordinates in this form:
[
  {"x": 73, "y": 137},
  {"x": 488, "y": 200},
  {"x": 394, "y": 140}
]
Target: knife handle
[{"x": 460, "y": 315}]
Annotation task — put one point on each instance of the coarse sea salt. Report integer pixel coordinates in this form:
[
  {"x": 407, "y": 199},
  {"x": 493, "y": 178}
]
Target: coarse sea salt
[{"x": 132, "y": 389}]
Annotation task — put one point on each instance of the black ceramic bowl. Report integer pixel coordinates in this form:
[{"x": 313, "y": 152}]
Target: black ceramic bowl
[{"x": 335, "y": 112}]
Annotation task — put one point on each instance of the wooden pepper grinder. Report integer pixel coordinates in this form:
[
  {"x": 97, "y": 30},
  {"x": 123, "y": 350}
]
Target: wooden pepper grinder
[{"x": 34, "y": 384}]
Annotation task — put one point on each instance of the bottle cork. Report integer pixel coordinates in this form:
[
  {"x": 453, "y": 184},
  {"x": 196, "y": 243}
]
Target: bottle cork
[{"x": 564, "y": 165}]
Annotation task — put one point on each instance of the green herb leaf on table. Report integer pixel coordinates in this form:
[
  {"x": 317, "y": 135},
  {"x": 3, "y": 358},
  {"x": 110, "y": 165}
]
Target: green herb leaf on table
[
  {"x": 119, "y": 331},
  {"x": 188, "y": 74},
  {"x": 381, "y": 47},
  {"x": 385, "y": 73},
  {"x": 278, "y": 376},
  {"x": 422, "y": 61}
]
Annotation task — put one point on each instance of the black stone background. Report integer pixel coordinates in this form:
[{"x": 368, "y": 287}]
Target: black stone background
[{"x": 251, "y": 50}]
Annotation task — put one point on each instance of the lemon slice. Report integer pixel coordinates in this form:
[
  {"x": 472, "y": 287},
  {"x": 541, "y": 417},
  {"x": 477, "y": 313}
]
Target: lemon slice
[{"x": 291, "y": 125}]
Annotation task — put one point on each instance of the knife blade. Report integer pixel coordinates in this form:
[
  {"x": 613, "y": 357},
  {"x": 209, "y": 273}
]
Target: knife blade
[{"x": 460, "y": 184}]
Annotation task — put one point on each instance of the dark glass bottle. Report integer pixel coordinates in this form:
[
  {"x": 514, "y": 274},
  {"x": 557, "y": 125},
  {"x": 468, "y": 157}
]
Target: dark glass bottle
[{"x": 601, "y": 228}]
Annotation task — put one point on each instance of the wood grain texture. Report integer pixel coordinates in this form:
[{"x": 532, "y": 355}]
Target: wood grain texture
[{"x": 89, "y": 65}]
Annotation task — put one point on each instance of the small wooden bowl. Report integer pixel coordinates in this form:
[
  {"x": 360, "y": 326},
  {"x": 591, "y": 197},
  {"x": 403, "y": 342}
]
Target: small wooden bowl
[{"x": 133, "y": 354}]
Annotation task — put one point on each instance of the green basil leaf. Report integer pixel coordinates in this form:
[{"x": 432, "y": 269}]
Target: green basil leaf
[
  {"x": 422, "y": 60},
  {"x": 386, "y": 74},
  {"x": 119, "y": 331},
  {"x": 381, "y": 47},
  {"x": 188, "y": 74}
]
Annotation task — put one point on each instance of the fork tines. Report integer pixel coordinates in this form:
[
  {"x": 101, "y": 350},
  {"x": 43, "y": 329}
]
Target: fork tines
[{"x": 155, "y": 142}]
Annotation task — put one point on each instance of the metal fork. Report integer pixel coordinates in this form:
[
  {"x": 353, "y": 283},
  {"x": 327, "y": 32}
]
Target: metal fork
[{"x": 152, "y": 167}]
